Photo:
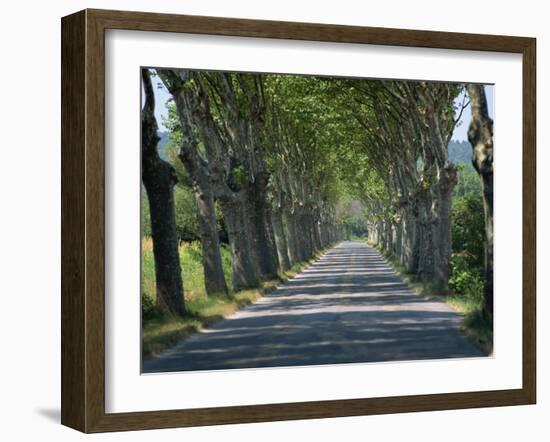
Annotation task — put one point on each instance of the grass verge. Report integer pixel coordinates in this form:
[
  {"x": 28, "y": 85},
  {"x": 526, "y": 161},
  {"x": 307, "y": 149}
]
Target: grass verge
[
  {"x": 475, "y": 326},
  {"x": 164, "y": 331}
]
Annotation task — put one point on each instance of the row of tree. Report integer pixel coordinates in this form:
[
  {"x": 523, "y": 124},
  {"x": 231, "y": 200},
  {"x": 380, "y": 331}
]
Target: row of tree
[
  {"x": 245, "y": 151},
  {"x": 408, "y": 127},
  {"x": 279, "y": 155}
]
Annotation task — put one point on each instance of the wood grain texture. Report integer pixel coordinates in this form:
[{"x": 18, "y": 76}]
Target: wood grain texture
[
  {"x": 95, "y": 222},
  {"x": 73, "y": 253},
  {"x": 144, "y": 21},
  {"x": 83, "y": 220},
  {"x": 529, "y": 220}
]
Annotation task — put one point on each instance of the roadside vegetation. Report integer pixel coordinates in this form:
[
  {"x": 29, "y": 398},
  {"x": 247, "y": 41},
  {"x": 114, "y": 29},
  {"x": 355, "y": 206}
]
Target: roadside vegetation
[
  {"x": 466, "y": 284},
  {"x": 162, "y": 330}
]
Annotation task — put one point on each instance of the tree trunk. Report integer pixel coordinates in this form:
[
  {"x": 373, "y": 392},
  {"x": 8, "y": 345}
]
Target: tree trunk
[
  {"x": 304, "y": 235},
  {"x": 266, "y": 249},
  {"x": 319, "y": 234},
  {"x": 425, "y": 238},
  {"x": 389, "y": 237},
  {"x": 487, "y": 188},
  {"x": 294, "y": 254},
  {"x": 316, "y": 231},
  {"x": 447, "y": 182},
  {"x": 280, "y": 240},
  {"x": 409, "y": 252},
  {"x": 159, "y": 179},
  {"x": 378, "y": 238},
  {"x": 245, "y": 273},
  {"x": 198, "y": 169},
  {"x": 311, "y": 233},
  {"x": 384, "y": 238},
  {"x": 398, "y": 240},
  {"x": 214, "y": 278},
  {"x": 325, "y": 233},
  {"x": 480, "y": 136},
  {"x": 160, "y": 192}
]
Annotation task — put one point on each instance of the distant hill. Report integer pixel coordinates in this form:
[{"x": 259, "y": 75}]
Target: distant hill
[
  {"x": 164, "y": 139},
  {"x": 460, "y": 152}
]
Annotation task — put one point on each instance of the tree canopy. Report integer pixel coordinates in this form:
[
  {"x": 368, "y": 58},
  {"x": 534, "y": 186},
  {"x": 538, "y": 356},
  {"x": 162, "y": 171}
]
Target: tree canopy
[{"x": 291, "y": 164}]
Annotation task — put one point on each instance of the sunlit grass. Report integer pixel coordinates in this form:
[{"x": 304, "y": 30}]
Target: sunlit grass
[
  {"x": 164, "y": 331},
  {"x": 476, "y": 326},
  {"x": 191, "y": 265}
]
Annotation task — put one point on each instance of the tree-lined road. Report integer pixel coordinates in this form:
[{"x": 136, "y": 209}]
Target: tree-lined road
[{"x": 347, "y": 307}]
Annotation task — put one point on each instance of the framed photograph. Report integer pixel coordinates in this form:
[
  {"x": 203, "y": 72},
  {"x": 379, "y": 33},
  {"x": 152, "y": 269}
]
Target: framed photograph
[{"x": 267, "y": 220}]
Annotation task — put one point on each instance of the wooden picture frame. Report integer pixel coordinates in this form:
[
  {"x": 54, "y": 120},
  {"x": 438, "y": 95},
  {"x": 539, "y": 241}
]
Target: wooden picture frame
[{"x": 83, "y": 220}]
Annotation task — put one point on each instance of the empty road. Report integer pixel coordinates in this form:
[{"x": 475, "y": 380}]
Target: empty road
[{"x": 347, "y": 307}]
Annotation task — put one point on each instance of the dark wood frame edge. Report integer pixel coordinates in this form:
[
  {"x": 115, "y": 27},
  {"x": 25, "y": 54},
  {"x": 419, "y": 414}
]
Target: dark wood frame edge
[{"x": 83, "y": 236}]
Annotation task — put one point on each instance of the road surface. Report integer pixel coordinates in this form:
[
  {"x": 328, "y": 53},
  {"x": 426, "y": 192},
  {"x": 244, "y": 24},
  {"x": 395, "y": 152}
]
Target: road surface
[{"x": 347, "y": 307}]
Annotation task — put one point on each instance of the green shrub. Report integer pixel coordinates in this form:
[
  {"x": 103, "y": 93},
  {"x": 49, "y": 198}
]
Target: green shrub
[
  {"x": 464, "y": 280},
  {"x": 354, "y": 225},
  {"x": 145, "y": 214},
  {"x": 192, "y": 270},
  {"x": 148, "y": 308},
  {"x": 227, "y": 264},
  {"x": 468, "y": 238},
  {"x": 186, "y": 210}
]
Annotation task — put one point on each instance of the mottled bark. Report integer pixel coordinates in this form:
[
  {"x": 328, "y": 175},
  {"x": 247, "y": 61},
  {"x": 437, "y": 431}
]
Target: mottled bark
[
  {"x": 304, "y": 237},
  {"x": 409, "y": 251},
  {"x": 159, "y": 179},
  {"x": 310, "y": 227},
  {"x": 447, "y": 182},
  {"x": 397, "y": 239},
  {"x": 266, "y": 249},
  {"x": 379, "y": 232},
  {"x": 315, "y": 225},
  {"x": 198, "y": 169},
  {"x": 244, "y": 271},
  {"x": 294, "y": 252},
  {"x": 249, "y": 217},
  {"x": 425, "y": 238},
  {"x": 388, "y": 229},
  {"x": 214, "y": 278},
  {"x": 325, "y": 234},
  {"x": 480, "y": 135},
  {"x": 280, "y": 240},
  {"x": 384, "y": 236}
]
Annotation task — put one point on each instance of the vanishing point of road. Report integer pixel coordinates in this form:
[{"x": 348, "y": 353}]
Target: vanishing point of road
[{"x": 347, "y": 307}]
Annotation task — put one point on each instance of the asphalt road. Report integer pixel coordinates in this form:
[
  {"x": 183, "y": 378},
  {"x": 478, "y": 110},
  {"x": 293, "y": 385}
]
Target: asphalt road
[{"x": 347, "y": 307}]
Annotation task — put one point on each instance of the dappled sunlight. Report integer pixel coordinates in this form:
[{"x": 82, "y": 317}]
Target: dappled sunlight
[{"x": 332, "y": 313}]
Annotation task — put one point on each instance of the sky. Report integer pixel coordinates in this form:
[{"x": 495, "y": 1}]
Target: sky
[
  {"x": 460, "y": 133},
  {"x": 161, "y": 97},
  {"x": 461, "y": 130}
]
